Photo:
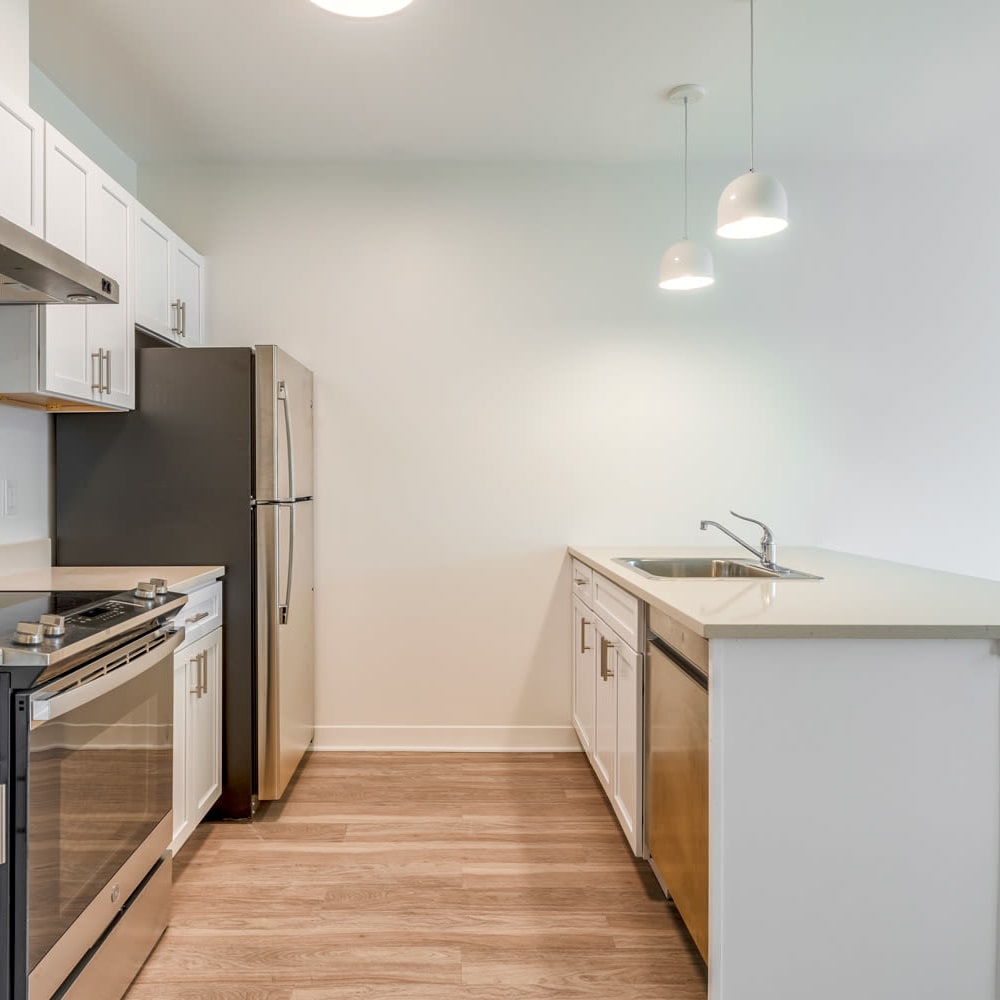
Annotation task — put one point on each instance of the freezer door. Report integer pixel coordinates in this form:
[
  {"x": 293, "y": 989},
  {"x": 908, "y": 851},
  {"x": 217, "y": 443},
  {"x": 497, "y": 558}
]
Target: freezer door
[
  {"x": 284, "y": 398},
  {"x": 285, "y": 645}
]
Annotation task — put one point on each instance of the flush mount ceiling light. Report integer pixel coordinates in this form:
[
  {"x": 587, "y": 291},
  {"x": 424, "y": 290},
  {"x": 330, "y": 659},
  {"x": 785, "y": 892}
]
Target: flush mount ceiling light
[
  {"x": 754, "y": 204},
  {"x": 686, "y": 265},
  {"x": 363, "y": 8}
]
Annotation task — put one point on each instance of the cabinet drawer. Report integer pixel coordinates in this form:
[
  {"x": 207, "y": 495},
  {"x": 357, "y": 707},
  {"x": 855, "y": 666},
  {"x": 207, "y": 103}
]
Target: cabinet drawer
[
  {"x": 583, "y": 582},
  {"x": 618, "y": 608},
  {"x": 202, "y": 613}
]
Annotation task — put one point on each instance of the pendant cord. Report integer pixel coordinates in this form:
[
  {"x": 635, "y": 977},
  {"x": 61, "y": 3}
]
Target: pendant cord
[
  {"x": 685, "y": 168},
  {"x": 751, "y": 85}
]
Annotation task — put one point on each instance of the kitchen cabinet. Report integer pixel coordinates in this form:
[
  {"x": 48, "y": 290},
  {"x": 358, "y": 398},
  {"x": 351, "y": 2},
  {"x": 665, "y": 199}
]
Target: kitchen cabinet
[
  {"x": 21, "y": 171},
  {"x": 197, "y": 713},
  {"x": 169, "y": 283},
  {"x": 608, "y": 691},
  {"x": 87, "y": 351},
  {"x": 584, "y": 673}
]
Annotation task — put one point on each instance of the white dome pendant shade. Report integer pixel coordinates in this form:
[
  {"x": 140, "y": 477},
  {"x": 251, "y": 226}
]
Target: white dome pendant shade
[
  {"x": 686, "y": 265},
  {"x": 753, "y": 205},
  {"x": 363, "y": 8}
]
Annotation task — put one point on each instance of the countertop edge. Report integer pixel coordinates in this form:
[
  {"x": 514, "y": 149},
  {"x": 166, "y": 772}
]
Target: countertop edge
[
  {"x": 770, "y": 630},
  {"x": 181, "y": 579}
]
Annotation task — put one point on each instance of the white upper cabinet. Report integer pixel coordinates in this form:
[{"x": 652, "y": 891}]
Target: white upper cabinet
[
  {"x": 109, "y": 248},
  {"x": 169, "y": 283},
  {"x": 87, "y": 351},
  {"x": 21, "y": 157}
]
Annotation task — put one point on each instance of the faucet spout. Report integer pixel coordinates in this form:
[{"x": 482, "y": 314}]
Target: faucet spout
[{"x": 767, "y": 553}]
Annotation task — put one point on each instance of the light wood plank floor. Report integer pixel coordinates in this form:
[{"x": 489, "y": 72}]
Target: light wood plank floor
[{"x": 390, "y": 876}]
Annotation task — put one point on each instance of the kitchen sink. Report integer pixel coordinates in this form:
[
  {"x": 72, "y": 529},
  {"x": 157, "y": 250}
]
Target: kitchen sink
[{"x": 710, "y": 569}]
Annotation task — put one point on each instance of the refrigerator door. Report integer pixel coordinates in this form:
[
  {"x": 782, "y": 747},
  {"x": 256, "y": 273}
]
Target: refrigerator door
[
  {"x": 284, "y": 397},
  {"x": 285, "y": 654}
]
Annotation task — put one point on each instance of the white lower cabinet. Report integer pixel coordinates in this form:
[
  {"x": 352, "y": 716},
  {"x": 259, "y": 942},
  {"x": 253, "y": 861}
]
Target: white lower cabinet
[
  {"x": 608, "y": 692},
  {"x": 197, "y": 716},
  {"x": 583, "y": 673}
]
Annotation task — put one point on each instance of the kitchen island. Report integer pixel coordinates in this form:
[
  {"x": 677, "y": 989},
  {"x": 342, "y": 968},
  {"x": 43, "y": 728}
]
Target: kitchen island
[{"x": 853, "y": 774}]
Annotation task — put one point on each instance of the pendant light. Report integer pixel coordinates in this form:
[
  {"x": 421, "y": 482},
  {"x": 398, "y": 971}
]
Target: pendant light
[
  {"x": 363, "y": 8},
  {"x": 686, "y": 265},
  {"x": 754, "y": 204}
]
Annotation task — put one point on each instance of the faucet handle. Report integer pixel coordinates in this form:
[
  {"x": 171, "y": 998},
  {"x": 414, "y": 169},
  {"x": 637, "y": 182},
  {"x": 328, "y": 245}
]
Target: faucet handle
[
  {"x": 768, "y": 550},
  {"x": 768, "y": 535}
]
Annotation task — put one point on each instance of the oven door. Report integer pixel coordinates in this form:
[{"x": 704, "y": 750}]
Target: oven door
[{"x": 97, "y": 759}]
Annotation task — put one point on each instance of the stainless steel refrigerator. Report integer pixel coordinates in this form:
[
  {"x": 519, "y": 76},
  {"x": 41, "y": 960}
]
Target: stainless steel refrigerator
[{"x": 215, "y": 465}]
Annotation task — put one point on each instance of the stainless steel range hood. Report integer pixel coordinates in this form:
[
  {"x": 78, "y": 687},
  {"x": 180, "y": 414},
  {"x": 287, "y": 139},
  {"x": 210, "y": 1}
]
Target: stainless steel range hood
[{"x": 33, "y": 272}]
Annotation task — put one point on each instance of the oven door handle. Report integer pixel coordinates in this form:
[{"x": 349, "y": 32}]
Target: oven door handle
[{"x": 45, "y": 708}]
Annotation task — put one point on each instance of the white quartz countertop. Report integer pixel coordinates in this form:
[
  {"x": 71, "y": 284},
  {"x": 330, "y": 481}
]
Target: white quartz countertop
[
  {"x": 182, "y": 579},
  {"x": 857, "y": 597}
]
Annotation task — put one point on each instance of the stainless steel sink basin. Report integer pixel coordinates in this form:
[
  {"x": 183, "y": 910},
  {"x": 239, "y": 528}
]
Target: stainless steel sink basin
[{"x": 709, "y": 569}]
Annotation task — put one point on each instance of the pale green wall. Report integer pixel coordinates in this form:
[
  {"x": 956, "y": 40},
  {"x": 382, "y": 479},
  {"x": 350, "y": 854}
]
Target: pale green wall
[{"x": 55, "y": 107}]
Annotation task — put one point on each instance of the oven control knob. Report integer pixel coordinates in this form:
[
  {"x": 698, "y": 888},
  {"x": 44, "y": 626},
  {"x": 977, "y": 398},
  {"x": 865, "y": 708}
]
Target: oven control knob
[
  {"x": 53, "y": 625},
  {"x": 29, "y": 633},
  {"x": 147, "y": 591},
  {"x": 160, "y": 585}
]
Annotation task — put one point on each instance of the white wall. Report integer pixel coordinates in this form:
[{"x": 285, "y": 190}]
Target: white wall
[{"x": 497, "y": 375}]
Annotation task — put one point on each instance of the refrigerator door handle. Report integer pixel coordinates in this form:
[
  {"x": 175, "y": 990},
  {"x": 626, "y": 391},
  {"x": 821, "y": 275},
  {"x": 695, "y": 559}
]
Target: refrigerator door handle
[
  {"x": 283, "y": 396},
  {"x": 283, "y": 608}
]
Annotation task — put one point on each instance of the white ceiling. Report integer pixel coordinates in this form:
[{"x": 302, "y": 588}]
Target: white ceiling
[{"x": 265, "y": 80}]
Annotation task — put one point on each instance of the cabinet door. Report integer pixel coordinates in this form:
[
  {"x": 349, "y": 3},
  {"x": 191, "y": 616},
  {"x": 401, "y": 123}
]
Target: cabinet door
[
  {"x": 153, "y": 309},
  {"x": 605, "y": 714},
  {"x": 182, "y": 815},
  {"x": 628, "y": 745},
  {"x": 186, "y": 270},
  {"x": 21, "y": 174},
  {"x": 110, "y": 329},
  {"x": 584, "y": 674},
  {"x": 66, "y": 366},
  {"x": 205, "y": 726}
]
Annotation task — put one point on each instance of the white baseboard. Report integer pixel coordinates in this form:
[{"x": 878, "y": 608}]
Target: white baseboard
[{"x": 537, "y": 739}]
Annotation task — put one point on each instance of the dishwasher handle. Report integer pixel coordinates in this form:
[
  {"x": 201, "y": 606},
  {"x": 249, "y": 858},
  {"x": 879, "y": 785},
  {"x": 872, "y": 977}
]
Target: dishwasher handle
[{"x": 686, "y": 666}]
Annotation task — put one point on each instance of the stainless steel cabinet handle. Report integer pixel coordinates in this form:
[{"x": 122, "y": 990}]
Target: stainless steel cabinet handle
[
  {"x": 197, "y": 675},
  {"x": 175, "y": 317},
  {"x": 579, "y": 581},
  {"x": 196, "y": 618},
  {"x": 606, "y": 671},
  {"x": 184, "y": 319},
  {"x": 204, "y": 672},
  {"x": 95, "y": 380},
  {"x": 107, "y": 367},
  {"x": 584, "y": 648}
]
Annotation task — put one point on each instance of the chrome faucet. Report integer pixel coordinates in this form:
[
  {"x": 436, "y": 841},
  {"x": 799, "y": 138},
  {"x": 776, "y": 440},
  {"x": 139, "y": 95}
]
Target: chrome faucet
[{"x": 767, "y": 552}]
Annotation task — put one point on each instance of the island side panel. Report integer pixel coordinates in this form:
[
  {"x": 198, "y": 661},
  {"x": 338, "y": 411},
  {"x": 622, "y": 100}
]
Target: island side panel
[{"x": 854, "y": 819}]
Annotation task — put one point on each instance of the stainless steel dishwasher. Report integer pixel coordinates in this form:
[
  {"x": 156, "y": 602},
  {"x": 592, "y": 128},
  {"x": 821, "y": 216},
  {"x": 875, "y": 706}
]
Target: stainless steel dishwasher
[{"x": 677, "y": 768}]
